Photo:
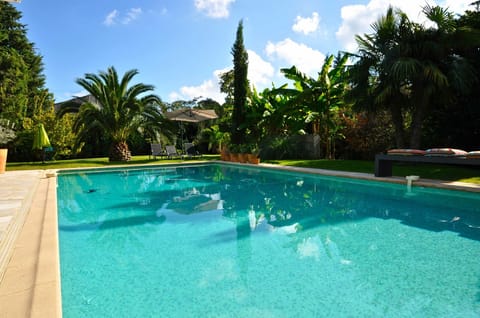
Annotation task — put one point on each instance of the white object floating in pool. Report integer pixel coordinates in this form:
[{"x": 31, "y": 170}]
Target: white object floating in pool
[{"x": 410, "y": 179}]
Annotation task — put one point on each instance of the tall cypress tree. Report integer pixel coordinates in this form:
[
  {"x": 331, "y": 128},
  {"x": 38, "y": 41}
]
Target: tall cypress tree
[
  {"x": 21, "y": 68},
  {"x": 240, "y": 86}
]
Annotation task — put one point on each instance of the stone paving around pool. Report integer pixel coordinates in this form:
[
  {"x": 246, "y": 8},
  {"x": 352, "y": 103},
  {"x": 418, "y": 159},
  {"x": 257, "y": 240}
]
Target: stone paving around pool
[
  {"x": 29, "y": 265},
  {"x": 16, "y": 193}
]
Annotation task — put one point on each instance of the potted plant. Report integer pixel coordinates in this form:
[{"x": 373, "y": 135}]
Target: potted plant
[
  {"x": 252, "y": 156},
  {"x": 7, "y": 134},
  {"x": 243, "y": 153},
  {"x": 234, "y": 153},
  {"x": 225, "y": 155}
]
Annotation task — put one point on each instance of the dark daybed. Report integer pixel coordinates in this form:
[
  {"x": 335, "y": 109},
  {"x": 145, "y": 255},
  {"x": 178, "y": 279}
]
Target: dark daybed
[{"x": 383, "y": 162}]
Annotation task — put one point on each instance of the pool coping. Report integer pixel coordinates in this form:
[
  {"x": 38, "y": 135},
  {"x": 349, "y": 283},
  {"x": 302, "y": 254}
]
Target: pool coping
[{"x": 30, "y": 286}]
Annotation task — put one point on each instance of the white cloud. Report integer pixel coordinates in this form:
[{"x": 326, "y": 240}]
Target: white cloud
[
  {"x": 208, "y": 89},
  {"x": 110, "y": 18},
  {"x": 457, "y": 6},
  {"x": 260, "y": 72},
  {"x": 306, "y": 25},
  {"x": 214, "y": 8},
  {"x": 132, "y": 15},
  {"x": 61, "y": 97},
  {"x": 113, "y": 17},
  {"x": 357, "y": 19},
  {"x": 306, "y": 59}
]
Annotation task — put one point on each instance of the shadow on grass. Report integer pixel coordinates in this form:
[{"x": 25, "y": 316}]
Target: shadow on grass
[{"x": 95, "y": 162}]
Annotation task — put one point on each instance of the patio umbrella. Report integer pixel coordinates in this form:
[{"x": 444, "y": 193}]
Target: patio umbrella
[
  {"x": 40, "y": 140},
  {"x": 191, "y": 115}
]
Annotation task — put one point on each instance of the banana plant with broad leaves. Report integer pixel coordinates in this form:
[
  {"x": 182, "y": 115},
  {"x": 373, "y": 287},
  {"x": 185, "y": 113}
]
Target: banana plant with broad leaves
[
  {"x": 215, "y": 138},
  {"x": 270, "y": 115},
  {"x": 319, "y": 100}
]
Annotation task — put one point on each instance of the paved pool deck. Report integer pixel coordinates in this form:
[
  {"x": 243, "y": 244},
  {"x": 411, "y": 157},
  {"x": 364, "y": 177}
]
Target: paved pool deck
[{"x": 29, "y": 260}]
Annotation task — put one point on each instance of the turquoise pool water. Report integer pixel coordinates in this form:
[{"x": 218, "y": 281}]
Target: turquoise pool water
[{"x": 223, "y": 241}]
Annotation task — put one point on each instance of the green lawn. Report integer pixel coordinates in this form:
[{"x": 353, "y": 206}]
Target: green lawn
[
  {"x": 428, "y": 171},
  {"x": 94, "y": 162},
  {"x": 451, "y": 173}
]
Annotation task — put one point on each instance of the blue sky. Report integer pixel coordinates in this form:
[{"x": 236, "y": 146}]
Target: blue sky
[{"x": 181, "y": 46}]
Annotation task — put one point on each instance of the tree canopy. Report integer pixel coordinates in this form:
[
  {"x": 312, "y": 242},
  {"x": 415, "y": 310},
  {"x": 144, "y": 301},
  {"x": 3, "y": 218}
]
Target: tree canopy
[
  {"x": 410, "y": 68},
  {"x": 21, "y": 68}
]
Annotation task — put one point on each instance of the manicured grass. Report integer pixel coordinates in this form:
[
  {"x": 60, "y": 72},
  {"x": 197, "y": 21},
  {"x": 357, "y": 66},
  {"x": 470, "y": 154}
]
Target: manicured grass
[
  {"x": 94, "y": 162},
  {"x": 428, "y": 171}
]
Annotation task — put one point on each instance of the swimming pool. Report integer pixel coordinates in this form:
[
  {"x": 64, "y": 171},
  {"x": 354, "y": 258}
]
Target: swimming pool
[{"x": 224, "y": 241}]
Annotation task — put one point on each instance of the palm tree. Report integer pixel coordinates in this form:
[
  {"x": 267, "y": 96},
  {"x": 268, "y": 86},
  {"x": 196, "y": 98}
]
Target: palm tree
[
  {"x": 373, "y": 86},
  {"x": 406, "y": 68},
  {"x": 437, "y": 72},
  {"x": 115, "y": 110}
]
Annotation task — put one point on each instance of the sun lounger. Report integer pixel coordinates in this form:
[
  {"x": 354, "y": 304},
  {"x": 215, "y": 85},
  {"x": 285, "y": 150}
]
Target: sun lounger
[
  {"x": 191, "y": 151},
  {"x": 172, "y": 152},
  {"x": 157, "y": 151}
]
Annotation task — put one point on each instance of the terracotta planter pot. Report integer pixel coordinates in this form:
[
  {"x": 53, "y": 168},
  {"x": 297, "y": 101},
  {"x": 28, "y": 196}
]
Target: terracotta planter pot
[
  {"x": 225, "y": 156},
  {"x": 253, "y": 159},
  {"x": 242, "y": 157},
  {"x": 3, "y": 159},
  {"x": 234, "y": 157}
]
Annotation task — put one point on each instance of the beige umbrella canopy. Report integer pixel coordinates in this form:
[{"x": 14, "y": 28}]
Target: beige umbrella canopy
[{"x": 191, "y": 115}]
